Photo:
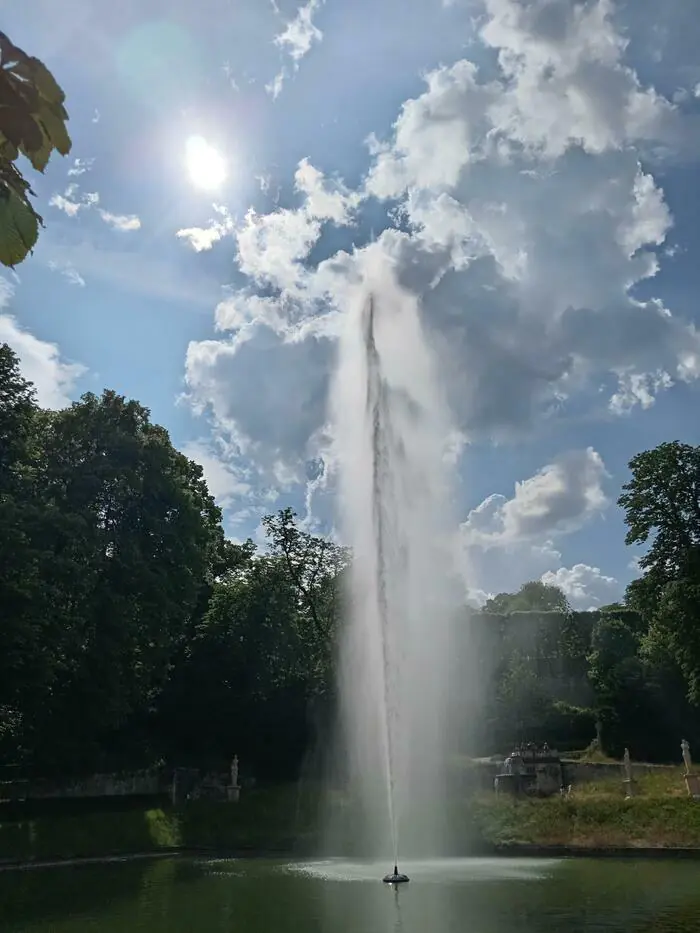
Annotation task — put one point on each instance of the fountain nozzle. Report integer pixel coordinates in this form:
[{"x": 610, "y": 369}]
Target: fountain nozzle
[{"x": 396, "y": 877}]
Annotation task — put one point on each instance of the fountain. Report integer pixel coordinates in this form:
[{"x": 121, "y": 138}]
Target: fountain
[{"x": 391, "y": 429}]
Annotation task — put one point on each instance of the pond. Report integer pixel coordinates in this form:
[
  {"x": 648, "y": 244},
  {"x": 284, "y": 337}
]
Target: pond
[{"x": 180, "y": 895}]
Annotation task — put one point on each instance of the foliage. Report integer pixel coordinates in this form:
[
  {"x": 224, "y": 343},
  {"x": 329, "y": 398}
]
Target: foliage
[
  {"x": 534, "y": 595},
  {"x": 133, "y": 632},
  {"x": 662, "y": 503},
  {"x": 314, "y": 566},
  {"x": 662, "y": 510},
  {"x": 32, "y": 124}
]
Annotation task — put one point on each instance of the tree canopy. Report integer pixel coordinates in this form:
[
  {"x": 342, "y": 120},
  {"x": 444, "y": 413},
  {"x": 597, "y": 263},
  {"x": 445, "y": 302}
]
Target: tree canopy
[
  {"x": 534, "y": 595},
  {"x": 133, "y": 632},
  {"x": 662, "y": 510}
]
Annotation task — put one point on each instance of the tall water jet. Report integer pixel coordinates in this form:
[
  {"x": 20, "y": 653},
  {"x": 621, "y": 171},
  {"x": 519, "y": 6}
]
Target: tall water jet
[{"x": 391, "y": 428}]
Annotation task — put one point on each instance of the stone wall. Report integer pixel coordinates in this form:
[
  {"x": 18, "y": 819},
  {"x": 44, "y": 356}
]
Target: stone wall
[
  {"x": 136, "y": 784},
  {"x": 480, "y": 773}
]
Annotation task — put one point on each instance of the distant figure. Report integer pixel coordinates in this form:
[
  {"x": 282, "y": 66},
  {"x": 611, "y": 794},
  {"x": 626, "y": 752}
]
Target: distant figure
[
  {"x": 687, "y": 760},
  {"x": 234, "y": 771}
]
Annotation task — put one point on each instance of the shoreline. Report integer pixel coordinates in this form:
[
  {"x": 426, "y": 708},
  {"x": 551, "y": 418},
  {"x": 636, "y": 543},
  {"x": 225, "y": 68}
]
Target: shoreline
[{"x": 507, "y": 851}]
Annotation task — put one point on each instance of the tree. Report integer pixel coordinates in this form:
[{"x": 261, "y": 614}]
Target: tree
[
  {"x": 20, "y": 636},
  {"x": 242, "y": 685},
  {"x": 33, "y": 124},
  {"x": 627, "y": 696},
  {"x": 315, "y": 567},
  {"x": 662, "y": 510},
  {"x": 531, "y": 596},
  {"x": 137, "y": 543}
]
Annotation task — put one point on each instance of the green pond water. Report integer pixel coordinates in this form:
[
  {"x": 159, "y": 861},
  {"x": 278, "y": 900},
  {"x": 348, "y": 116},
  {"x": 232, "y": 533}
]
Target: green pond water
[{"x": 263, "y": 896}]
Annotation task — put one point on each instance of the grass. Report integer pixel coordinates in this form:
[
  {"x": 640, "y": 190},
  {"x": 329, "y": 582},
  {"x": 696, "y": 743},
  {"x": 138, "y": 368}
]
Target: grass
[
  {"x": 279, "y": 819},
  {"x": 596, "y": 815}
]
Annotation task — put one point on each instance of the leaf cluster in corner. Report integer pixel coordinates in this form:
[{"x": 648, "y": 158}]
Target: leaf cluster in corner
[{"x": 32, "y": 123}]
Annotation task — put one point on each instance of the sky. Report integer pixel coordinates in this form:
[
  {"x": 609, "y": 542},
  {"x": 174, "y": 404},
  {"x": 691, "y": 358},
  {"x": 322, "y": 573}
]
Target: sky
[{"x": 527, "y": 168}]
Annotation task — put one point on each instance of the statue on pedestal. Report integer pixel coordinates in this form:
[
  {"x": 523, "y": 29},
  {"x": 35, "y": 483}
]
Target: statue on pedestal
[
  {"x": 687, "y": 760},
  {"x": 627, "y": 762}
]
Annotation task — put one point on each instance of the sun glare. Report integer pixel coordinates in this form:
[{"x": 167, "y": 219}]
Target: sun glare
[{"x": 206, "y": 166}]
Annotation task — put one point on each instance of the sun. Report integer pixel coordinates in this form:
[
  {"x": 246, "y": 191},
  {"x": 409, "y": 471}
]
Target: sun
[{"x": 206, "y": 166}]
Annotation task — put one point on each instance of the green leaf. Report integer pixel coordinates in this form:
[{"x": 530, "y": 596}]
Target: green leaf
[
  {"x": 39, "y": 76},
  {"x": 21, "y": 129},
  {"x": 55, "y": 130},
  {"x": 19, "y": 228}
]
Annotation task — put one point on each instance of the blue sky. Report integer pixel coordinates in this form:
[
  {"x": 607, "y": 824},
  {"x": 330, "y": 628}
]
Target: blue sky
[{"x": 527, "y": 167}]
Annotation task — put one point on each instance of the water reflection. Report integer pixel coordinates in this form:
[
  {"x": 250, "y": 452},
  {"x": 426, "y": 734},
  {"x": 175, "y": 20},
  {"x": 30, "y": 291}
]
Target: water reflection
[{"x": 262, "y": 896}]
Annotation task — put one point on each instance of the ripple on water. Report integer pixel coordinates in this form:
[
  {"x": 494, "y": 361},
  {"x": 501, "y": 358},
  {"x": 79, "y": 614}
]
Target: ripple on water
[{"x": 439, "y": 871}]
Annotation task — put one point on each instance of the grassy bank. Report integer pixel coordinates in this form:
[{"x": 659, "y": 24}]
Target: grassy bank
[
  {"x": 661, "y": 815},
  {"x": 595, "y": 816}
]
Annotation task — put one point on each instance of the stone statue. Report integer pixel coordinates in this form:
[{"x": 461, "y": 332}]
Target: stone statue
[
  {"x": 628, "y": 765},
  {"x": 687, "y": 760},
  {"x": 234, "y": 771}
]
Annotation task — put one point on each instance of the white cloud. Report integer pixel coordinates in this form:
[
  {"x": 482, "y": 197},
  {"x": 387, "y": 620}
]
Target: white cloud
[
  {"x": 63, "y": 203},
  {"x": 638, "y": 389},
  {"x": 71, "y": 202},
  {"x": 300, "y": 33},
  {"x": 528, "y": 211},
  {"x": 204, "y": 238},
  {"x": 40, "y": 361},
  {"x": 68, "y": 271},
  {"x": 224, "y": 482},
  {"x": 530, "y": 208},
  {"x": 266, "y": 394},
  {"x": 80, "y": 166},
  {"x": 560, "y": 498},
  {"x": 567, "y": 83},
  {"x": 585, "y": 587},
  {"x": 296, "y": 40},
  {"x": 507, "y": 541},
  {"x": 271, "y": 247},
  {"x": 125, "y": 223},
  {"x": 274, "y": 87},
  {"x": 324, "y": 199}
]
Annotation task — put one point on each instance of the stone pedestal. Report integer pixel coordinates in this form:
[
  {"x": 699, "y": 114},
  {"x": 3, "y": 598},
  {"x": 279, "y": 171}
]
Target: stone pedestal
[
  {"x": 233, "y": 793},
  {"x": 630, "y": 787},
  {"x": 692, "y": 782}
]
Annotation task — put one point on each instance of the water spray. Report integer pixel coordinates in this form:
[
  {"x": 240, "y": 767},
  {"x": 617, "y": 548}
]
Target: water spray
[{"x": 375, "y": 393}]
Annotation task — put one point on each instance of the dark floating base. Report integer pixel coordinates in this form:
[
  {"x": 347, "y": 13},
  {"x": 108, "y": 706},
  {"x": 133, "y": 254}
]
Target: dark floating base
[{"x": 396, "y": 877}]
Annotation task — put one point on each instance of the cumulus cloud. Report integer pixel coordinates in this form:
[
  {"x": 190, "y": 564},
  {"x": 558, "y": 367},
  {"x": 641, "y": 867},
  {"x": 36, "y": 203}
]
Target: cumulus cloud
[
  {"x": 122, "y": 222},
  {"x": 40, "y": 361},
  {"x": 585, "y": 587},
  {"x": 560, "y": 498},
  {"x": 271, "y": 247},
  {"x": 508, "y": 541},
  {"x": 527, "y": 207},
  {"x": 226, "y": 484},
  {"x": 295, "y": 41},
  {"x": 266, "y": 392}
]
